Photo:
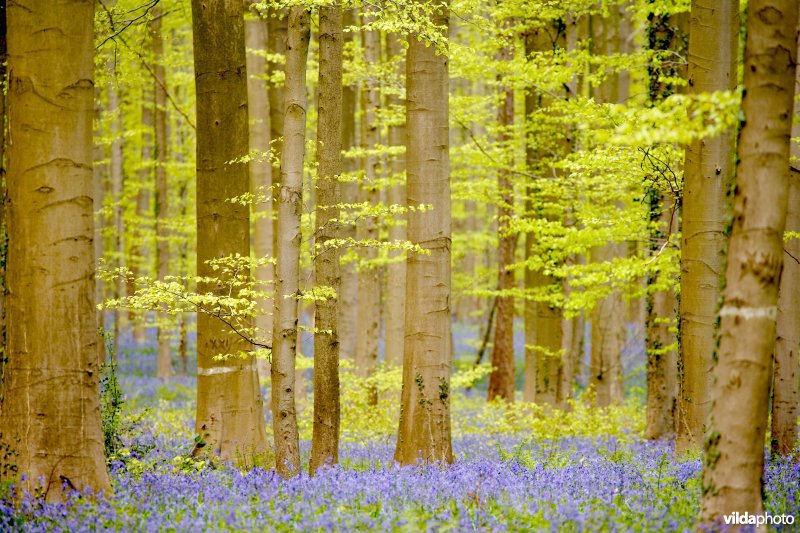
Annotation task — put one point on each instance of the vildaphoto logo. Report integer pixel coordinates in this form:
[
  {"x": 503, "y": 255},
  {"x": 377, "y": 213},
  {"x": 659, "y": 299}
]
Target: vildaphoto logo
[{"x": 741, "y": 519}]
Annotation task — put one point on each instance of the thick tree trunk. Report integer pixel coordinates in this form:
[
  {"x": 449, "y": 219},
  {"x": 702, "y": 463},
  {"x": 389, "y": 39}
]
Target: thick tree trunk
[
  {"x": 734, "y": 446},
  {"x": 348, "y": 289},
  {"x": 287, "y": 274},
  {"x": 255, "y": 29},
  {"x": 50, "y": 413},
  {"x": 424, "y": 429},
  {"x": 325, "y": 438},
  {"x": 229, "y": 406},
  {"x": 713, "y": 49},
  {"x": 396, "y": 271},
  {"x": 501, "y": 380},
  {"x": 164, "y": 355},
  {"x": 369, "y": 281},
  {"x": 785, "y": 392}
]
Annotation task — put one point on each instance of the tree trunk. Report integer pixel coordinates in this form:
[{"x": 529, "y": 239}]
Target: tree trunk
[
  {"x": 662, "y": 361},
  {"x": 287, "y": 274},
  {"x": 276, "y": 44},
  {"x": 53, "y": 416},
  {"x": 544, "y": 364},
  {"x": 785, "y": 393},
  {"x": 713, "y": 50},
  {"x": 608, "y": 315},
  {"x": 396, "y": 270},
  {"x": 734, "y": 446},
  {"x": 501, "y": 380},
  {"x": 348, "y": 289},
  {"x": 325, "y": 439},
  {"x": 3, "y": 166},
  {"x": 608, "y": 337},
  {"x": 99, "y": 178},
  {"x": 255, "y": 29},
  {"x": 369, "y": 283},
  {"x": 116, "y": 183},
  {"x": 164, "y": 355},
  {"x": 229, "y": 407},
  {"x": 424, "y": 429},
  {"x": 139, "y": 249},
  {"x": 664, "y": 33}
]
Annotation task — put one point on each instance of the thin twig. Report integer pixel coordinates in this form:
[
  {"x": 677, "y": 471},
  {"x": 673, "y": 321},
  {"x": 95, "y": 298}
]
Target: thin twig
[{"x": 112, "y": 37}]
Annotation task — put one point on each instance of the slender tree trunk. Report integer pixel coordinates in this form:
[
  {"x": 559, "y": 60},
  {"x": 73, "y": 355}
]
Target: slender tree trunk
[
  {"x": 284, "y": 338},
  {"x": 608, "y": 337},
  {"x": 276, "y": 44},
  {"x": 786, "y": 395},
  {"x": 662, "y": 361},
  {"x": 229, "y": 407},
  {"x": 139, "y": 250},
  {"x": 608, "y": 315},
  {"x": 734, "y": 446},
  {"x": 664, "y": 33},
  {"x": 52, "y": 418},
  {"x": 396, "y": 270},
  {"x": 99, "y": 178},
  {"x": 544, "y": 331},
  {"x": 325, "y": 439},
  {"x": 424, "y": 429},
  {"x": 713, "y": 50},
  {"x": 117, "y": 186},
  {"x": 181, "y": 135},
  {"x": 255, "y": 29},
  {"x": 572, "y": 338},
  {"x": 501, "y": 380},
  {"x": 785, "y": 392},
  {"x": 3, "y": 166},
  {"x": 164, "y": 355},
  {"x": 348, "y": 289},
  {"x": 369, "y": 283}
]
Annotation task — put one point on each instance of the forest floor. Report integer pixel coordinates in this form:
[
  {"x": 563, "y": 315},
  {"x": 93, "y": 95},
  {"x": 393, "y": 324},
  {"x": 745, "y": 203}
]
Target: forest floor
[{"x": 516, "y": 468}]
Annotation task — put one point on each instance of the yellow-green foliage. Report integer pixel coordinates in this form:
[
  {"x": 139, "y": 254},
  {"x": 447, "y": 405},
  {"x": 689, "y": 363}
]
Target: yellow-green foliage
[
  {"x": 476, "y": 416},
  {"x": 471, "y": 414}
]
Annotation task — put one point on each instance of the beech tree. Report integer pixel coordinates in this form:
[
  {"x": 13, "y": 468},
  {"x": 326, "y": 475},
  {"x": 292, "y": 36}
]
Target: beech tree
[
  {"x": 369, "y": 281},
  {"x": 665, "y": 33},
  {"x": 325, "y": 440},
  {"x": 785, "y": 385},
  {"x": 255, "y": 29},
  {"x": 396, "y": 269},
  {"x": 3, "y": 81},
  {"x": 734, "y": 447},
  {"x": 348, "y": 287},
  {"x": 708, "y": 172},
  {"x": 608, "y": 328},
  {"x": 287, "y": 274},
  {"x": 229, "y": 406},
  {"x": 164, "y": 358},
  {"x": 50, "y": 411},
  {"x": 501, "y": 380},
  {"x": 424, "y": 428},
  {"x": 544, "y": 324}
]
